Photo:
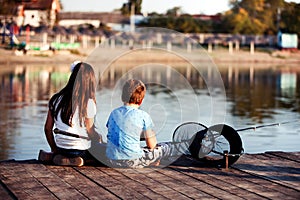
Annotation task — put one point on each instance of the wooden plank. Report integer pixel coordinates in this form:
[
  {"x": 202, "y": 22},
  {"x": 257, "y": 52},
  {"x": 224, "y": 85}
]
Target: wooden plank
[
  {"x": 261, "y": 186},
  {"x": 52, "y": 182},
  {"x": 21, "y": 182},
  {"x": 294, "y": 156},
  {"x": 280, "y": 171},
  {"x": 240, "y": 184},
  {"x": 123, "y": 177},
  {"x": 110, "y": 183},
  {"x": 252, "y": 184},
  {"x": 216, "y": 178},
  {"x": 81, "y": 183},
  {"x": 5, "y": 193},
  {"x": 227, "y": 190},
  {"x": 189, "y": 176},
  {"x": 180, "y": 184},
  {"x": 151, "y": 180}
]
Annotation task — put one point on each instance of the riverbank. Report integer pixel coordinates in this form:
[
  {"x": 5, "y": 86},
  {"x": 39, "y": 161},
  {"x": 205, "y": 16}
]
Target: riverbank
[
  {"x": 219, "y": 56},
  {"x": 8, "y": 57}
]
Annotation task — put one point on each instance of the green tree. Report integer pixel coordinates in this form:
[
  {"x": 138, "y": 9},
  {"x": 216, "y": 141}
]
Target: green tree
[
  {"x": 241, "y": 22},
  {"x": 290, "y": 18},
  {"x": 253, "y": 7},
  {"x": 126, "y": 7},
  {"x": 174, "y": 12},
  {"x": 184, "y": 23},
  {"x": 250, "y": 17},
  {"x": 244, "y": 17},
  {"x": 270, "y": 15}
]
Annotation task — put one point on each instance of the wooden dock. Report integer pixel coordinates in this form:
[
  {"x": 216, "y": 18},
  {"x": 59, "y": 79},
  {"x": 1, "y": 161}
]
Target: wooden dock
[{"x": 271, "y": 175}]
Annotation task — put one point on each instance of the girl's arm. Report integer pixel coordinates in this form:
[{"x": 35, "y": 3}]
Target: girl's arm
[
  {"x": 89, "y": 124},
  {"x": 48, "y": 127}
]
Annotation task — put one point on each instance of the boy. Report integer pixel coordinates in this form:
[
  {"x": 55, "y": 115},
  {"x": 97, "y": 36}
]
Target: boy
[{"x": 126, "y": 125}]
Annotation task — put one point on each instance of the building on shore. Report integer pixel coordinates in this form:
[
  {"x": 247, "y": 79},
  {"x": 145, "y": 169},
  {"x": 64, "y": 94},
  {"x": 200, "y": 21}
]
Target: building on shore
[
  {"x": 287, "y": 40},
  {"x": 37, "y": 12},
  {"x": 114, "y": 20}
]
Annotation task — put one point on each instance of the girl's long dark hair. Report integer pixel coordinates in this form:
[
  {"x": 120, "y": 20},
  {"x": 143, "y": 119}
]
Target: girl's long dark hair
[{"x": 80, "y": 88}]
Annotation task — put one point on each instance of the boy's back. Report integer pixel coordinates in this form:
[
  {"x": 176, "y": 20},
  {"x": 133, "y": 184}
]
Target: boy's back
[{"x": 125, "y": 125}]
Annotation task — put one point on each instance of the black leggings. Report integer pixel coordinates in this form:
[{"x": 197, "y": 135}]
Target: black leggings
[
  {"x": 71, "y": 153},
  {"x": 95, "y": 154}
]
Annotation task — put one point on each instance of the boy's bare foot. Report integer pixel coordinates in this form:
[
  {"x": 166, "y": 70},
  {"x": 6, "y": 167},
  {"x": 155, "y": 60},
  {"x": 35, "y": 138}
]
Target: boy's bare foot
[{"x": 155, "y": 164}]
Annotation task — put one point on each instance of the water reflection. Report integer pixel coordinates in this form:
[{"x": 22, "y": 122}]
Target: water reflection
[
  {"x": 25, "y": 91},
  {"x": 254, "y": 96},
  {"x": 258, "y": 93}
]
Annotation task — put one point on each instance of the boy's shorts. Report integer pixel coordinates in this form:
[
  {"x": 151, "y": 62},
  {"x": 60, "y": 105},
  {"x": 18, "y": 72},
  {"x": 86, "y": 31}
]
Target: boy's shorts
[{"x": 149, "y": 157}]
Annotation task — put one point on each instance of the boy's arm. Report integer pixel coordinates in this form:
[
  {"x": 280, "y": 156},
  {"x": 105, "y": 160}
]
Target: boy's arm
[{"x": 150, "y": 139}]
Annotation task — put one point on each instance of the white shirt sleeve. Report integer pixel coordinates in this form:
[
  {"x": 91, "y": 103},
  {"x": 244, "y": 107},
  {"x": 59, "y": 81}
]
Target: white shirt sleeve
[{"x": 91, "y": 109}]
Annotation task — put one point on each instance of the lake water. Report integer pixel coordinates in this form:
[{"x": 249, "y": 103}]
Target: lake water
[{"x": 253, "y": 96}]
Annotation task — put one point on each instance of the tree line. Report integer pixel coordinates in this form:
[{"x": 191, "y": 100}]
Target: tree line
[{"x": 244, "y": 17}]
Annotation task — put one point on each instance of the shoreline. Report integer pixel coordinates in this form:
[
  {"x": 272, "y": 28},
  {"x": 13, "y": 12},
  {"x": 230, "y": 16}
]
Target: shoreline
[{"x": 221, "y": 56}]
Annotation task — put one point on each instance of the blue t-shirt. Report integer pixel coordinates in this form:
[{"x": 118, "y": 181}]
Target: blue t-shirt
[{"x": 125, "y": 125}]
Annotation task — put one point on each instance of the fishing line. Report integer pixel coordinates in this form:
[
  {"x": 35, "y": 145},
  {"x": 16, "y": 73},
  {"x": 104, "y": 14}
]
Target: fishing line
[{"x": 267, "y": 125}]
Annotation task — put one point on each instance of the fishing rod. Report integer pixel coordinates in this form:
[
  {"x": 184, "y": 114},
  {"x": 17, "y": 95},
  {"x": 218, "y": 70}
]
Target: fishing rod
[
  {"x": 267, "y": 125},
  {"x": 57, "y": 131}
]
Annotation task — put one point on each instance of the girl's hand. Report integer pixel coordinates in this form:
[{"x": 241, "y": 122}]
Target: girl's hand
[{"x": 97, "y": 138}]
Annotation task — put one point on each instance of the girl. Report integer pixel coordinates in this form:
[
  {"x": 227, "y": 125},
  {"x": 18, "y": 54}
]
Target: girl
[{"x": 72, "y": 111}]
